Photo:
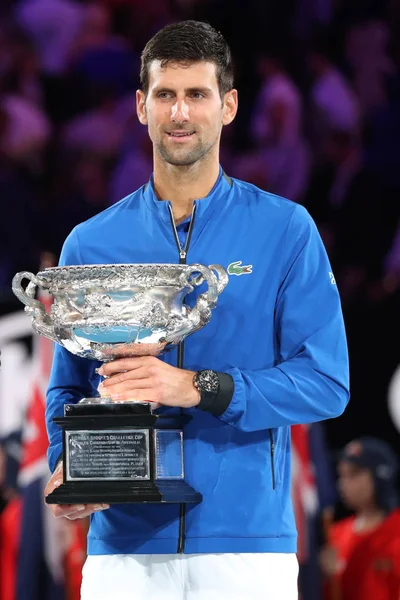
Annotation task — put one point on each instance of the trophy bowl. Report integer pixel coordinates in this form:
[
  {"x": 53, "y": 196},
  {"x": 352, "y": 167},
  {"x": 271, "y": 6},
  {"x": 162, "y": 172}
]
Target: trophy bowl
[
  {"x": 118, "y": 310},
  {"x": 121, "y": 452}
]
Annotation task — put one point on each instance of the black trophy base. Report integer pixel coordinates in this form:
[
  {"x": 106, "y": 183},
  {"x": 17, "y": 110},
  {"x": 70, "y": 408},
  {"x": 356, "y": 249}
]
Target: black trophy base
[
  {"x": 121, "y": 453},
  {"x": 123, "y": 492}
]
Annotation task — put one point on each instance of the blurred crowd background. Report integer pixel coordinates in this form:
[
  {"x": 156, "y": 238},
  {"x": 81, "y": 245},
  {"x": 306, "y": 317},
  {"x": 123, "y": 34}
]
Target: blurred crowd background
[{"x": 318, "y": 122}]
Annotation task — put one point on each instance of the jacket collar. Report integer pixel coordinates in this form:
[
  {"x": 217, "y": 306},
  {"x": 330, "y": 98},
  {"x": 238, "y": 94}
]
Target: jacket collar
[{"x": 204, "y": 206}]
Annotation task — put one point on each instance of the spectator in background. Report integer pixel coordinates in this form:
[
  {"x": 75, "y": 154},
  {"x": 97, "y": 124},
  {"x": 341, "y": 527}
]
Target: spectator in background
[
  {"x": 21, "y": 231},
  {"x": 133, "y": 170},
  {"x": 383, "y": 140},
  {"x": 53, "y": 26},
  {"x": 331, "y": 181},
  {"x": 280, "y": 161},
  {"x": 355, "y": 212},
  {"x": 101, "y": 57},
  {"x": 333, "y": 102},
  {"x": 148, "y": 17},
  {"x": 97, "y": 131},
  {"x": 20, "y": 72},
  {"x": 367, "y": 53},
  {"x": 26, "y": 130},
  {"x": 391, "y": 278},
  {"x": 81, "y": 192},
  {"x": 383, "y": 159},
  {"x": 277, "y": 118},
  {"x": 362, "y": 558}
]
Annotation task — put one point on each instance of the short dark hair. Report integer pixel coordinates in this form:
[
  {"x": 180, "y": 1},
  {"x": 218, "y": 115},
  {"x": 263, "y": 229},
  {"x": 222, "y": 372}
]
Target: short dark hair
[{"x": 189, "y": 41}]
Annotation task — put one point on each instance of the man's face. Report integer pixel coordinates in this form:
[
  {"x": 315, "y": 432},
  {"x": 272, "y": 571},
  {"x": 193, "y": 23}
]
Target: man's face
[
  {"x": 184, "y": 111},
  {"x": 356, "y": 486}
]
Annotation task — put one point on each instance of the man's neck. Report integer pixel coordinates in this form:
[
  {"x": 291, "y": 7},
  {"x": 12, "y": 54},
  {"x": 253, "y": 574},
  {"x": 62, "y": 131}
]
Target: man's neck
[{"x": 182, "y": 185}]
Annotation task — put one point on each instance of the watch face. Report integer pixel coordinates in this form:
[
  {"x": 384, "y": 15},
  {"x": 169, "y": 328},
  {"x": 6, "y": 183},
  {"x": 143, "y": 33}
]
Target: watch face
[{"x": 208, "y": 381}]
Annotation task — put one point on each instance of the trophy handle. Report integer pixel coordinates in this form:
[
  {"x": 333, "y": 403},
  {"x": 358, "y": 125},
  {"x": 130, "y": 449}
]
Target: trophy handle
[
  {"x": 41, "y": 321},
  {"x": 201, "y": 313},
  {"x": 223, "y": 277}
]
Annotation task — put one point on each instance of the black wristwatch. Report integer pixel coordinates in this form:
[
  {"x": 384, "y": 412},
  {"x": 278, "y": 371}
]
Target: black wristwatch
[{"x": 216, "y": 390}]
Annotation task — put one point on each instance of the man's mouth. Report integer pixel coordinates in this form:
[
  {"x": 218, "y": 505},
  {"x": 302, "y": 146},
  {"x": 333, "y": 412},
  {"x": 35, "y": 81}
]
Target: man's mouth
[{"x": 180, "y": 134}]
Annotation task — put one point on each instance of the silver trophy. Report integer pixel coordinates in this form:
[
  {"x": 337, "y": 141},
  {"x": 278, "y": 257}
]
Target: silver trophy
[{"x": 121, "y": 452}]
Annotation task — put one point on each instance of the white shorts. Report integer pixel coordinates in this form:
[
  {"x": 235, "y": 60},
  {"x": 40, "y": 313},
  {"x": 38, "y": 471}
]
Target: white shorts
[{"x": 190, "y": 577}]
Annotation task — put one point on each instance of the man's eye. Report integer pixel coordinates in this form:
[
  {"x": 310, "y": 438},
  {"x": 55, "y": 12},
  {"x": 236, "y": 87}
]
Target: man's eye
[
  {"x": 164, "y": 95},
  {"x": 197, "y": 95}
]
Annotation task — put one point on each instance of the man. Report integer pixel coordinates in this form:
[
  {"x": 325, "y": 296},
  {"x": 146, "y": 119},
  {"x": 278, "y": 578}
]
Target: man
[
  {"x": 275, "y": 347},
  {"x": 362, "y": 558},
  {"x": 334, "y": 104},
  {"x": 280, "y": 160},
  {"x": 277, "y": 119}
]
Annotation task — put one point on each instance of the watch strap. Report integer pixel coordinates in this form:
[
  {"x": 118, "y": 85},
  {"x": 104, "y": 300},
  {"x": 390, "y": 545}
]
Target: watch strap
[{"x": 217, "y": 403}]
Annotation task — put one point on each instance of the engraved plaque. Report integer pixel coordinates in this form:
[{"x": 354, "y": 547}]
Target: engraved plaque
[
  {"x": 169, "y": 453},
  {"x": 108, "y": 454}
]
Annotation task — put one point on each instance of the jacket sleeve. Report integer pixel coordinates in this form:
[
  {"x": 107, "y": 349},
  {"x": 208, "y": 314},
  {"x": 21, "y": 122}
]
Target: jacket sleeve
[
  {"x": 310, "y": 381},
  {"x": 72, "y": 378}
]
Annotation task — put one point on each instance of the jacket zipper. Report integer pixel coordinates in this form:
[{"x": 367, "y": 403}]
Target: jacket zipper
[
  {"x": 181, "y": 349},
  {"x": 182, "y": 251},
  {"x": 272, "y": 453}
]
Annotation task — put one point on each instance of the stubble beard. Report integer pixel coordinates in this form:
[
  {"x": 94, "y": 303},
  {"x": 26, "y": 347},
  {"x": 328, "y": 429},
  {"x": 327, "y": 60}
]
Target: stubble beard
[{"x": 180, "y": 158}]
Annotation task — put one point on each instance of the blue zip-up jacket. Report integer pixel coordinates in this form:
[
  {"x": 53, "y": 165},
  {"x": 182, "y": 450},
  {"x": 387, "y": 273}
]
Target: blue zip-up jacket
[{"x": 277, "y": 330}]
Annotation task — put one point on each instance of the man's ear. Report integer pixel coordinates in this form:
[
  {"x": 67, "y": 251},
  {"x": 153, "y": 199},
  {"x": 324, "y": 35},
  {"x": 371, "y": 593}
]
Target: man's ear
[
  {"x": 141, "y": 107},
  {"x": 230, "y": 107}
]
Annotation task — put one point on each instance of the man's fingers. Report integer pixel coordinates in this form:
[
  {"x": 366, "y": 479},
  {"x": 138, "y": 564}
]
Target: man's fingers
[
  {"x": 52, "y": 484},
  {"x": 55, "y": 480},
  {"x": 90, "y": 509},
  {"x": 122, "y": 364},
  {"x": 76, "y": 511},
  {"x": 64, "y": 510},
  {"x": 69, "y": 511},
  {"x": 126, "y": 386},
  {"x": 136, "y": 396},
  {"x": 59, "y": 468},
  {"x": 139, "y": 374}
]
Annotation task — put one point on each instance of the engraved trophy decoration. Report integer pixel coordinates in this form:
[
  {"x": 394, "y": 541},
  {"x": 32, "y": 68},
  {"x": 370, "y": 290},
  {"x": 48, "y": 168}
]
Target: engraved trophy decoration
[{"x": 121, "y": 452}]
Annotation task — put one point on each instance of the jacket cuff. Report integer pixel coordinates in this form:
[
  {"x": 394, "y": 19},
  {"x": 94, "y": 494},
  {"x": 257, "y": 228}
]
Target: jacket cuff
[{"x": 218, "y": 405}]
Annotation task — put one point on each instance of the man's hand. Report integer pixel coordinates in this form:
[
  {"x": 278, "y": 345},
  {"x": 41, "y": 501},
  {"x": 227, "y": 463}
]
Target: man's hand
[
  {"x": 148, "y": 379},
  {"x": 70, "y": 511}
]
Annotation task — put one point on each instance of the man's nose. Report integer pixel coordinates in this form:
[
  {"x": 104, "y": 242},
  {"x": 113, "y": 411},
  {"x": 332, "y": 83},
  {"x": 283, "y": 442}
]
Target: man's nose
[{"x": 180, "y": 112}]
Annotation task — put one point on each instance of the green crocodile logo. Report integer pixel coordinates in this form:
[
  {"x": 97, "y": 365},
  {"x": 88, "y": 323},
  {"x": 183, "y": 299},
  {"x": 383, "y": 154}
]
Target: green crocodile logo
[{"x": 236, "y": 268}]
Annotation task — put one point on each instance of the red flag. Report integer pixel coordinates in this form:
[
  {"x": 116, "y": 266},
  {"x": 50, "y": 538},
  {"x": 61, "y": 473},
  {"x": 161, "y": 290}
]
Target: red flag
[
  {"x": 62, "y": 545},
  {"x": 304, "y": 489},
  {"x": 10, "y": 520}
]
